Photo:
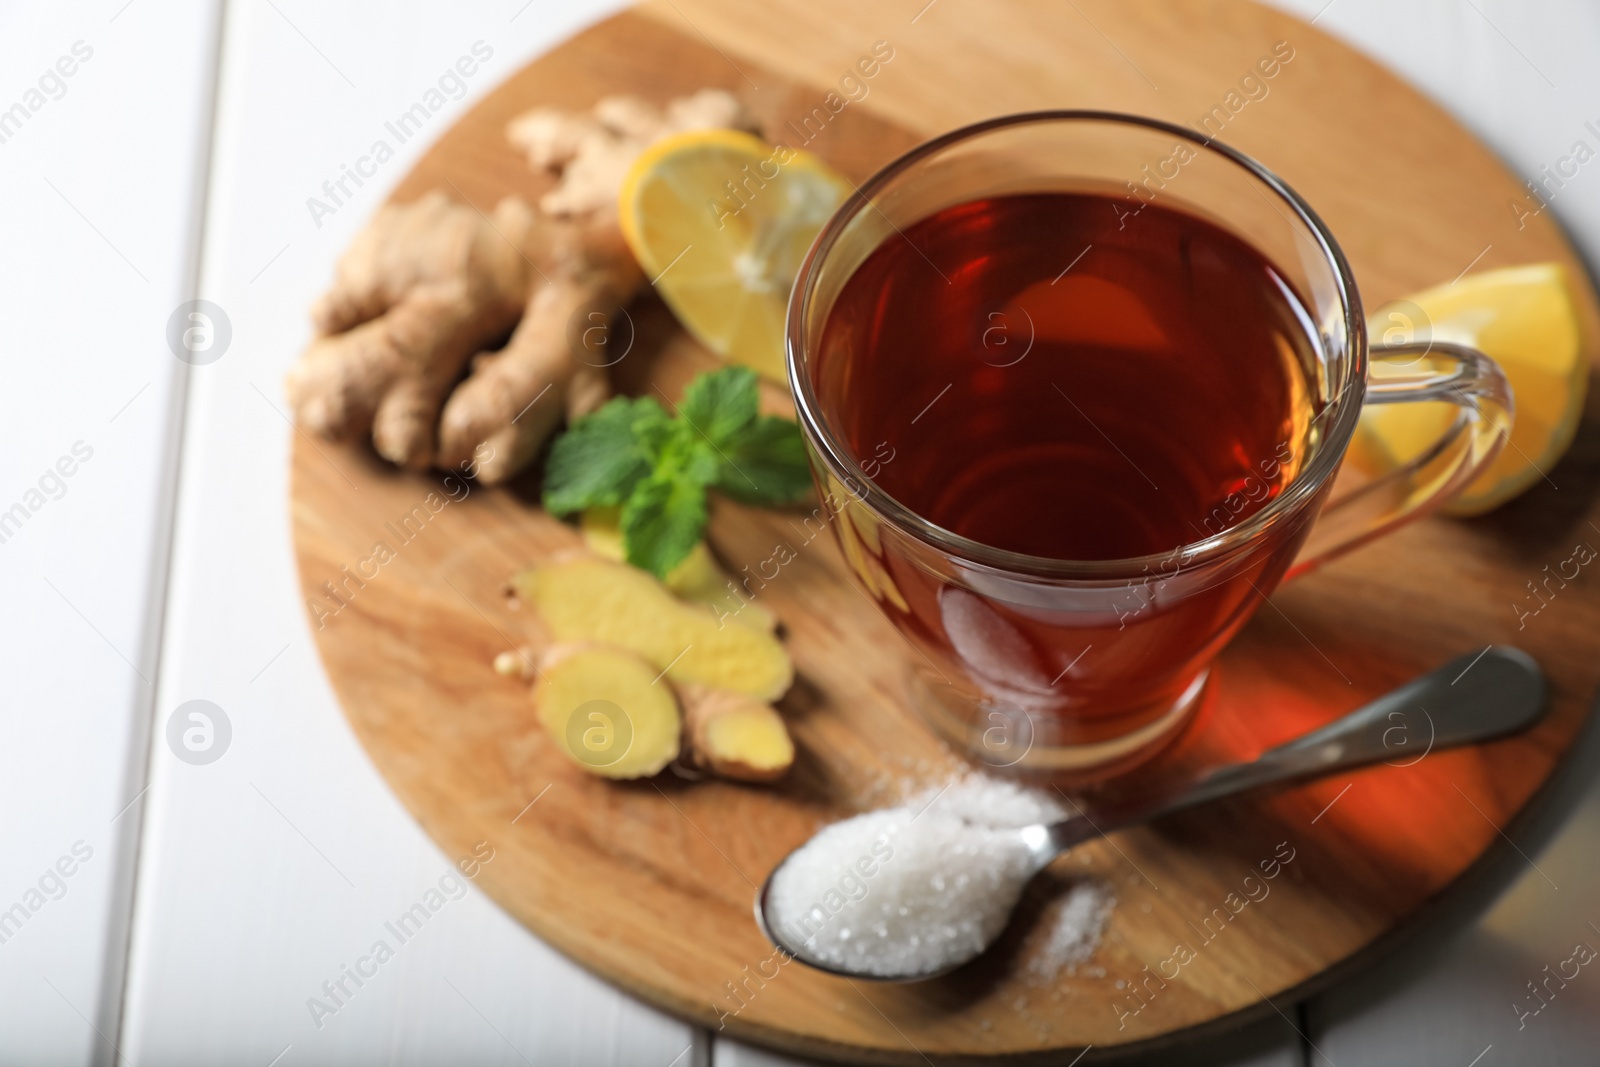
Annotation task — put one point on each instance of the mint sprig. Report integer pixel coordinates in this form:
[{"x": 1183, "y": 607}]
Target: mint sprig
[{"x": 632, "y": 454}]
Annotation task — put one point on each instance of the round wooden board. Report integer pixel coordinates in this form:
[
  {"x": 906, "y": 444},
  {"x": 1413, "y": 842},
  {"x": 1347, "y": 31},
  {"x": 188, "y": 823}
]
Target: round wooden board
[{"x": 650, "y": 883}]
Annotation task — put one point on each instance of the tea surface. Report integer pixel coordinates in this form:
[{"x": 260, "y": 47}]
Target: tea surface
[{"x": 1061, "y": 378}]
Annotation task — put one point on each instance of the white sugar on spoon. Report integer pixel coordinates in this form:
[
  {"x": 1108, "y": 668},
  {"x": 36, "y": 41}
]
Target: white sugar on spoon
[{"x": 910, "y": 890}]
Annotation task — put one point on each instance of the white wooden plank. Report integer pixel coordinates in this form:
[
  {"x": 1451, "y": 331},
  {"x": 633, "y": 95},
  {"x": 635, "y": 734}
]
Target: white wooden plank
[
  {"x": 268, "y": 871},
  {"x": 102, "y": 113},
  {"x": 1269, "y": 1043}
]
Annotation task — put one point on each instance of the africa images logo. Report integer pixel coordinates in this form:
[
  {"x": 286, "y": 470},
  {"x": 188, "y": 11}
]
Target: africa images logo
[{"x": 199, "y": 332}]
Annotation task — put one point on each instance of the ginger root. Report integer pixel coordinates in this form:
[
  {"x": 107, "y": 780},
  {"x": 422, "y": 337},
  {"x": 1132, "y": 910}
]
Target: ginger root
[
  {"x": 608, "y": 710},
  {"x": 735, "y": 736},
  {"x": 428, "y": 285},
  {"x": 698, "y": 579},
  {"x": 516, "y": 397},
  {"x": 597, "y": 600},
  {"x": 424, "y": 286},
  {"x": 592, "y": 152}
]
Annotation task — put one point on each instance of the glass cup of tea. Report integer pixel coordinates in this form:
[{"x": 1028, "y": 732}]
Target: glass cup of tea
[{"x": 1075, "y": 387}]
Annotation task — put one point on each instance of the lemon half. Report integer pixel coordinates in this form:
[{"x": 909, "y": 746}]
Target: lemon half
[
  {"x": 720, "y": 221},
  {"x": 1522, "y": 318}
]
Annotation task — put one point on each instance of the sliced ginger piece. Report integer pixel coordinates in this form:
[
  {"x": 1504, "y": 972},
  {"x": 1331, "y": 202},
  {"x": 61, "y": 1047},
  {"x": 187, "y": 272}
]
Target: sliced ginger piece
[
  {"x": 735, "y": 736},
  {"x": 607, "y": 710},
  {"x": 702, "y": 581},
  {"x": 599, "y": 600},
  {"x": 698, "y": 578}
]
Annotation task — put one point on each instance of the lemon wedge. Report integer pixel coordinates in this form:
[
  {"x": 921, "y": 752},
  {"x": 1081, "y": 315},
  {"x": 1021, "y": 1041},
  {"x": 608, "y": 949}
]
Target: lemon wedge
[
  {"x": 720, "y": 221},
  {"x": 1523, "y": 319}
]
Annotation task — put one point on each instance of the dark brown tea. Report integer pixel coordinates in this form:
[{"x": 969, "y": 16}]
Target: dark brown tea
[
  {"x": 1061, "y": 380},
  {"x": 1056, "y": 376}
]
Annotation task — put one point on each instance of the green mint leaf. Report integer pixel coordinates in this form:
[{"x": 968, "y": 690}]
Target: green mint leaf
[
  {"x": 765, "y": 464},
  {"x": 686, "y": 453},
  {"x": 662, "y": 521},
  {"x": 657, "y": 469},
  {"x": 604, "y": 455},
  {"x": 722, "y": 403}
]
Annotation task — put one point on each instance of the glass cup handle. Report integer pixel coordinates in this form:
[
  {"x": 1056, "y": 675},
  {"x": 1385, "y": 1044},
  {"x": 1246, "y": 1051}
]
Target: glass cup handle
[{"x": 1410, "y": 373}]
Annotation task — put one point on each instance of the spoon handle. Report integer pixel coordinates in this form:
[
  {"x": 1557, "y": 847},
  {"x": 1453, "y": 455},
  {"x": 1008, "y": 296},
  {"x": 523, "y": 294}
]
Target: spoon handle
[{"x": 1477, "y": 697}]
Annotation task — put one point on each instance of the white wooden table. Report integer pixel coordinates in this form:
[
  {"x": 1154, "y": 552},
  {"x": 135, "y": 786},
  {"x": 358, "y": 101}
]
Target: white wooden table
[{"x": 150, "y": 565}]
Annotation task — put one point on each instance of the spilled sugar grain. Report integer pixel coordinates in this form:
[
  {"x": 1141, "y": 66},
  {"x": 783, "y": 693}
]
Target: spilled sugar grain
[
  {"x": 915, "y": 888},
  {"x": 1071, "y": 932}
]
